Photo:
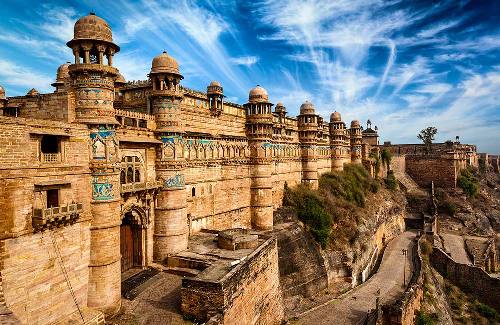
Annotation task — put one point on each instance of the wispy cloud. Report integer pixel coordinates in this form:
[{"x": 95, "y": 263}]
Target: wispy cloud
[
  {"x": 245, "y": 60},
  {"x": 16, "y": 75}
]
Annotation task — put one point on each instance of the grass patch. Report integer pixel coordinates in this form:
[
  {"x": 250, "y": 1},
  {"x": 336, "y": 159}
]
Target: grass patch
[
  {"x": 335, "y": 205},
  {"x": 426, "y": 319},
  {"x": 391, "y": 181}
]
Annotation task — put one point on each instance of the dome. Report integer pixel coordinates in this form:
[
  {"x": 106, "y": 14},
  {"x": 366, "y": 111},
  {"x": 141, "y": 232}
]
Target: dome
[
  {"x": 335, "y": 117},
  {"x": 215, "y": 88},
  {"x": 215, "y": 83},
  {"x": 164, "y": 63},
  {"x": 92, "y": 27},
  {"x": 120, "y": 79},
  {"x": 307, "y": 108},
  {"x": 355, "y": 124},
  {"x": 280, "y": 107},
  {"x": 62, "y": 74},
  {"x": 2, "y": 93},
  {"x": 258, "y": 94},
  {"x": 33, "y": 92}
]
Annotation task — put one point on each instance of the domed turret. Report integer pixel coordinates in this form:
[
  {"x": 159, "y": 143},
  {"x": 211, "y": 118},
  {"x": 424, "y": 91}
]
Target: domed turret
[
  {"x": 280, "y": 108},
  {"x": 120, "y": 80},
  {"x": 164, "y": 63},
  {"x": 307, "y": 108},
  {"x": 258, "y": 95},
  {"x": 215, "y": 95},
  {"x": 62, "y": 76},
  {"x": 335, "y": 117},
  {"x": 355, "y": 124},
  {"x": 92, "y": 27}
]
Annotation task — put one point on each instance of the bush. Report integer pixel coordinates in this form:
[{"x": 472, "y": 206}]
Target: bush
[
  {"x": 486, "y": 311},
  {"x": 449, "y": 207},
  {"x": 426, "y": 319},
  {"x": 468, "y": 182},
  {"x": 482, "y": 165},
  {"x": 391, "y": 181},
  {"x": 426, "y": 247}
]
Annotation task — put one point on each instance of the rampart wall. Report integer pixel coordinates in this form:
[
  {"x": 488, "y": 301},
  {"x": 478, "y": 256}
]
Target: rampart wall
[{"x": 469, "y": 278}]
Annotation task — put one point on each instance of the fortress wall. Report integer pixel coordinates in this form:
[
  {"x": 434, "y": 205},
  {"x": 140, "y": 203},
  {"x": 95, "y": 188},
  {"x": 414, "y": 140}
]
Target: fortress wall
[
  {"x": 285, "y": 171},
  {"x": 469, "y": 278},
  {"x": 425, "y": 169},
  {"x": 34, "y": 285},
  {"x": 222, "y": 196},
  {"x": 52, "y": 106}
]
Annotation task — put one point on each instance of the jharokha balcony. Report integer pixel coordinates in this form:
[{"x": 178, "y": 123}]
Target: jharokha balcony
[
  {"x": 56, "y": 216},
  {"x": 51, "y": 157}
]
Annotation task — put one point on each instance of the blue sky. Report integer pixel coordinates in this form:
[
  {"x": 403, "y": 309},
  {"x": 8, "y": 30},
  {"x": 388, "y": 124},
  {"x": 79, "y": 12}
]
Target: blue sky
[{"x": 403, "y": 64}]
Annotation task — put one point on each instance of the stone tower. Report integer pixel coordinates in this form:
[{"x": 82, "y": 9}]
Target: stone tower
[
  {"x": 355, "y": 138},
  {"x": 308, "y": 138},
  {"x": 259, "y": 128},
  {"x": 215, "y": 95},
  {"x": 92, "y": 81},
  {"x": 171, "y": 224},
  {"x": 337, "y": 141}
]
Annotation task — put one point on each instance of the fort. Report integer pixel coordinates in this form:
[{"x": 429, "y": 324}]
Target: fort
[{"x": 104, "y": 175}]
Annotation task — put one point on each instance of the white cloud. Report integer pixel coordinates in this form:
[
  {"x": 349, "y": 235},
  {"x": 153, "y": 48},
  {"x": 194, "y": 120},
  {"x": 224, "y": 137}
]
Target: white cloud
[
  {"x": 15, "y": 75},
  {"x": 245, "y": 60}
]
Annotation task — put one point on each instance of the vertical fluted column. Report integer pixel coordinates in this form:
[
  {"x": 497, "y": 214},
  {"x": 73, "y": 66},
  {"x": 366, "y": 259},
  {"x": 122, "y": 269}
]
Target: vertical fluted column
[{"x": 105, "y": 260}]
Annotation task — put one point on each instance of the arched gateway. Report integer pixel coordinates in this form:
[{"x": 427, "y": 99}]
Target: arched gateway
[{"x": 132, "y": 238}]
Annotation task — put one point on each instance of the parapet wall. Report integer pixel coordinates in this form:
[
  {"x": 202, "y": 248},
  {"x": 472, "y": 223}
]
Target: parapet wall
[
  {"x": 469, "y": 278},
  {"x": 249, "y": 294}
]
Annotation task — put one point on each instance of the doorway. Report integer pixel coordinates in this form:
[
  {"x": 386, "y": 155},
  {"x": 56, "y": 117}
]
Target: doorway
[{"x": 130, "y": 243}]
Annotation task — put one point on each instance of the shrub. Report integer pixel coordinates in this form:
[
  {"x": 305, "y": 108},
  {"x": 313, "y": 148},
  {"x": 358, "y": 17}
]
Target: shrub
[
  {"x": 482, "y": 165},
  {"x": 449, "y": 207},
  {"x": 486, "y": 311},
  {"x": 426, "y": 247},
  {"x": 426, "y": 319},
  {"x": 468, "y": 182},
  {"x": 352, "y": 184},
  {"x": 391, "y": 181}
]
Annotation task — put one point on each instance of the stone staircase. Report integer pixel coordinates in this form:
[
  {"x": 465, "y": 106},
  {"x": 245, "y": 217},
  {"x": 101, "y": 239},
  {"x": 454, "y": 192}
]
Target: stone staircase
[{"x": 186, "y": 264}]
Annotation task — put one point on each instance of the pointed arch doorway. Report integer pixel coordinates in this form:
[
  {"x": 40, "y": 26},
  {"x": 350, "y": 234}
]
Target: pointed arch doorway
[{"x": 132, "y": 234}]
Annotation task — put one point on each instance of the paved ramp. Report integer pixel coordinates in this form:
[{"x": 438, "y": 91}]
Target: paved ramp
[
  {"x": 353, "y": 307},
  {"x": 454, "y": 244}
]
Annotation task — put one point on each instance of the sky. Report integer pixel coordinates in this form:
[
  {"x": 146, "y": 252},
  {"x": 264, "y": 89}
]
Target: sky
[{"x": 404, "y": 65}]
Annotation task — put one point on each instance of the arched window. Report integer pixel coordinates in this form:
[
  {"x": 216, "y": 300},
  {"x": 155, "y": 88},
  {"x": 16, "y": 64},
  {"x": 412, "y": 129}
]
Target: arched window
[
  {"x": 137, "y": 176},
  {"x": 122, "y": 177},
  {"x": 94, "y": 55},
  {"x": 130, "y": 175},
  {"x": 193, "y": 192}
]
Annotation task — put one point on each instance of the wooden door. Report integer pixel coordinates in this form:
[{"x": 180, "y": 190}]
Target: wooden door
[{"x": 126, "y": 247}]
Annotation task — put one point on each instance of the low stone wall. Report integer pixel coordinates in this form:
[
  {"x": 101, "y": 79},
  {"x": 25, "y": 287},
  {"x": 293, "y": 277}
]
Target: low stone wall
[
  {"x": 249, "y": 294},
  {"x": 470, "y": 279}
]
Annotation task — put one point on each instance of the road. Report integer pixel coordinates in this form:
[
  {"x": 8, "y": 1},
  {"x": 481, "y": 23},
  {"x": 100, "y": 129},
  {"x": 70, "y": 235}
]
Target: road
[{"x": 352, "y": 307}]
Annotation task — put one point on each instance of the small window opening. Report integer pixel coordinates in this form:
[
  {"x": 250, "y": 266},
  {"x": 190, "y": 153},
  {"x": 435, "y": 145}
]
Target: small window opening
[
  {"x": 52, "y": 198},
  {"x": 50, "y": 144},
  {"x": 193, "y": 192}
]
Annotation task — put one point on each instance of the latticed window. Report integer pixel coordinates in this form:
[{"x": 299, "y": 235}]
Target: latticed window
[{"x": 132, "y": 170}]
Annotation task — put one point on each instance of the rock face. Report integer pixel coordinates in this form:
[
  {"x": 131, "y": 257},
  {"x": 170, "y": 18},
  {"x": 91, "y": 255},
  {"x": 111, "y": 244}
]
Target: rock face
[{"x": 306, "y": 269}]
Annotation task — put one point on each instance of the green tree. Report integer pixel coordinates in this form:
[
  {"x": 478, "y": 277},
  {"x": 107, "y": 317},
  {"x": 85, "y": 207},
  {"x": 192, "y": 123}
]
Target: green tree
[
  {"x": 386, "y": 156},
  {"x": 427, "y": 136}
]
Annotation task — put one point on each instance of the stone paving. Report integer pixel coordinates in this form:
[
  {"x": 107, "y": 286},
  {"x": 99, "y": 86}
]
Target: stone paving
[
  {"x": 157, "y": 303},
  {"x": 352, "y": 307},
  {"x": 454, "y": 244}
]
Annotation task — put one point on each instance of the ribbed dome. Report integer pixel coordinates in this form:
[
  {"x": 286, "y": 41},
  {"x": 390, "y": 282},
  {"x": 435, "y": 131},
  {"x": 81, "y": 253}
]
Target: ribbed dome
[
  {"x": 93, "y": 27},
  {"x": 63, "y": 71},
  {"x": 164, "y": 63},
  {"x": 258, "y": 95},
  {"x": 307, "y": 108},
  {"x": 33, "y": 92},
  {"x": 355, "y": 124},
  {"x": 335, "y": 117},
  {"x": 120, "y": 79},
  {"x": 2, "y": 93}
]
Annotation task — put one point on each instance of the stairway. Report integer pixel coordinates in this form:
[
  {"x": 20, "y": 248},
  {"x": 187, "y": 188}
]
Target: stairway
[{"x": 409, "y": 184}]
